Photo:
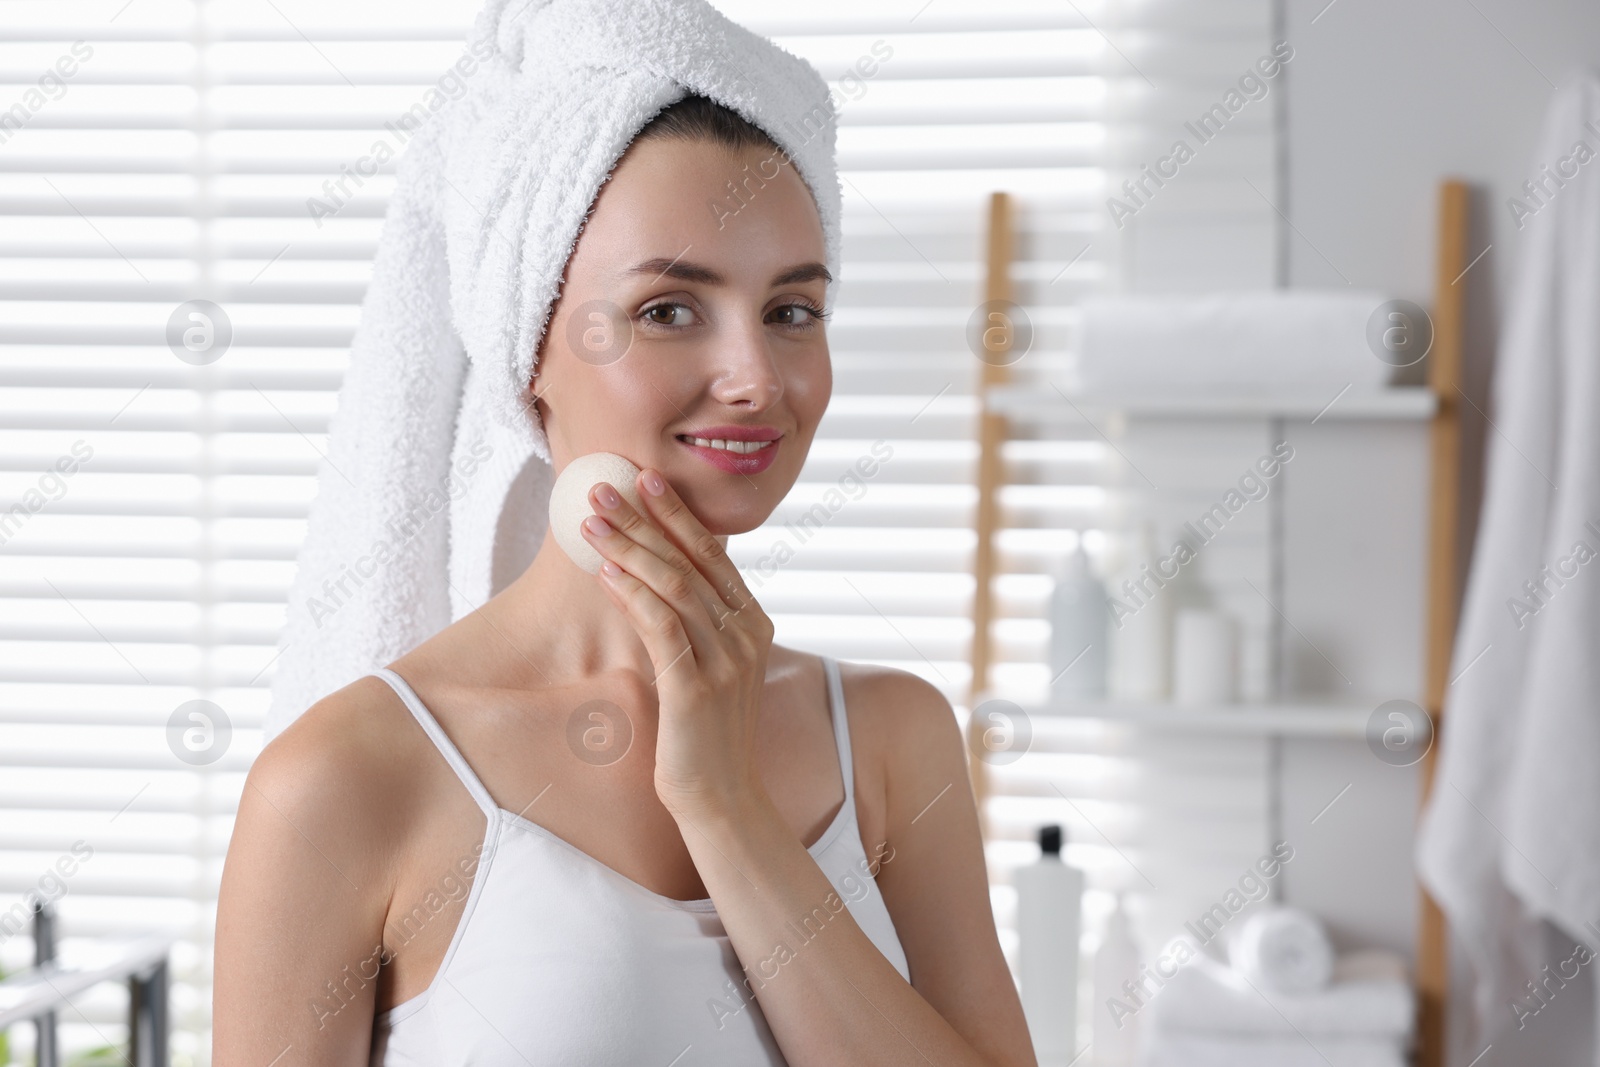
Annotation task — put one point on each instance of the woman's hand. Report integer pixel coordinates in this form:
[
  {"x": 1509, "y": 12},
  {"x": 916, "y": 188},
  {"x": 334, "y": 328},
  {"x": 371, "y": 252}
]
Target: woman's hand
[{"x": 707, "y": 638}]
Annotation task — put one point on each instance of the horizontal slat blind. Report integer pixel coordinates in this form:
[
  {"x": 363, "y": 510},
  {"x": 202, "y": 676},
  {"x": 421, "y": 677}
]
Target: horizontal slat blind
[{"x": 175, "y": 163}]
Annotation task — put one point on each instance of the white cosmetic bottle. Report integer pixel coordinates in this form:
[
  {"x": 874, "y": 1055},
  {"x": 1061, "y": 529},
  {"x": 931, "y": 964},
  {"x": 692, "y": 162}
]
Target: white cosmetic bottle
[
  {"x": 1049, "y": 898},
  {"x": 1116, "y": 1033},
  {"x": 1079, "y": 623},
  {"x": 1141, "y": 628}
]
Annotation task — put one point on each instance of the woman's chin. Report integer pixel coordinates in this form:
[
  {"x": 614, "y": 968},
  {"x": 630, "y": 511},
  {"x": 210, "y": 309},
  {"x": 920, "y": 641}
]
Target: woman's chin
[
  {"x": 723, "y": 520},
  {"x": 734, "y": 525}
]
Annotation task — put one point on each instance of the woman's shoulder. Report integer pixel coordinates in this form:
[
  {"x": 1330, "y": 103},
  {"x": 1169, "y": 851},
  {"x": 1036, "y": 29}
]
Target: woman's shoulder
[
  {"x": 346, "y": 727},
  {"x": 890, "y": 701},
  {"x": 310, "y": 874},
  {"x": 897, "y": 718},
  {"x": 340, "y": 767}
]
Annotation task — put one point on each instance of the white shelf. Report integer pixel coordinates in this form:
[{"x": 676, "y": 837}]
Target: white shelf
[
  {"x": 1046, "y": 402},
  {"x": 1310, "y": 720}
]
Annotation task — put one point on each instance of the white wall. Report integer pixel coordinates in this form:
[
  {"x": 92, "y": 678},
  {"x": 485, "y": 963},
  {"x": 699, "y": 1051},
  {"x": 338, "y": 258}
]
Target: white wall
[
  {"x": 1355, "y": 530},
  {"x": 1385, "y": 98}
]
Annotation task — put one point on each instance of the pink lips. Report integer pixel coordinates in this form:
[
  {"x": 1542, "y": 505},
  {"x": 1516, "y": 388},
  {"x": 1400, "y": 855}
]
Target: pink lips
[{"x": 734, "y": 462}]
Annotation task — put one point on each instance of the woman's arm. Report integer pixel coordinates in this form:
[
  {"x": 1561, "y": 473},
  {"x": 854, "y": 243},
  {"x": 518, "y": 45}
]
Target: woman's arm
[
  {"x": 832, "y": 997},
  {"x": 301, "y": 905},
  {"x": 939, "y": 897},
  {"x": 828, "y": 994}
]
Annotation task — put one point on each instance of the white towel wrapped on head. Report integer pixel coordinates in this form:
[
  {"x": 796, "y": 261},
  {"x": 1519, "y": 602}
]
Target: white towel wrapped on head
[
  {"x": 1283, "y": 950},
  {"x": 434, "y": 492}
]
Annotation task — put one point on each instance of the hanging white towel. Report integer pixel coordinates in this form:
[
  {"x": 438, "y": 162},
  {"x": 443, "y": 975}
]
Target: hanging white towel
[
  {"x": 434, "y": 491},
  {"x": 1512, "y": 829}
]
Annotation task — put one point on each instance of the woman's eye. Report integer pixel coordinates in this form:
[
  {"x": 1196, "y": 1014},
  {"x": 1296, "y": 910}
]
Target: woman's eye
[
  {"x": 677, "y": 315},
  {"x": 670, "y": 314},
  {"x": 798, "y": 315}
]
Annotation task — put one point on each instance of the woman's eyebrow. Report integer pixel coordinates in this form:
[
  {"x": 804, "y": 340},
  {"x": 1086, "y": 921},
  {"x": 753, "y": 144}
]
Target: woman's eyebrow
[{"x": 694, "y": 272}]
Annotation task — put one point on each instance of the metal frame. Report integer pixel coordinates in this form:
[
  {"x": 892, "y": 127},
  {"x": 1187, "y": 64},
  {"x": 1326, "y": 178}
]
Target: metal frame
[{"x": 46, "y": 986}]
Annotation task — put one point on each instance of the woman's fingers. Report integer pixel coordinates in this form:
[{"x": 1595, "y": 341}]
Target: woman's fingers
[
  {"x": 694, "y": 540},
  {"x": 660, "y": 626},
  {"x": 660, "y": 568}
]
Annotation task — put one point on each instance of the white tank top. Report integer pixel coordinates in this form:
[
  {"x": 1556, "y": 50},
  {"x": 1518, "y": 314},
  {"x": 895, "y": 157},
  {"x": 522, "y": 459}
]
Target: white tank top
[{"x": 559, "y": 959}]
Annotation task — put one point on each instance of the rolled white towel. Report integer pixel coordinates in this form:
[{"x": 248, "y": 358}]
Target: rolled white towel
[
  {"x": 1265, "y": 341},
  {"x": 1283, "y": 950}
]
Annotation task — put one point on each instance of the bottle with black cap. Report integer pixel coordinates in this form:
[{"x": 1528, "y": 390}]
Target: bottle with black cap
[{"x": 1049, "y": 898}]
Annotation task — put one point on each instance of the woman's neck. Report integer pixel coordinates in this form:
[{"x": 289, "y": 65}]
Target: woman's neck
[{"x": 556, "y": 623}]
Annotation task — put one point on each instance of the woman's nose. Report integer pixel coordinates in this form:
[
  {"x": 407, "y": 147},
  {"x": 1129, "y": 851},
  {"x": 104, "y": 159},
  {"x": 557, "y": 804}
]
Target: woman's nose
[{"x": 747, "y": 370}]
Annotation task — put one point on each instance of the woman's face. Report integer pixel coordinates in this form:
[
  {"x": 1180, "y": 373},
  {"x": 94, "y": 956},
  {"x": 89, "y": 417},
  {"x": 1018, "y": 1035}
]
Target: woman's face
[{"x": 685, "y": 309}]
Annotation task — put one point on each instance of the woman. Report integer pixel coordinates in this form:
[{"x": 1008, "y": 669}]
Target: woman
[{"x": 599, "y": 820}]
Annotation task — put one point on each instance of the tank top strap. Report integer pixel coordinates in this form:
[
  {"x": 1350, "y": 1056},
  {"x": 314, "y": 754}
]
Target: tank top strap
[
  {"x": 841, "y": 727},
  {"x": 441, "y": 741}
]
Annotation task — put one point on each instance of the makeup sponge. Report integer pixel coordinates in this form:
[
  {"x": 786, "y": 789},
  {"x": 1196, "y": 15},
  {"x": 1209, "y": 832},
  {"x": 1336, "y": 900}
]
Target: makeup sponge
[{"x": 569, "y": 501}]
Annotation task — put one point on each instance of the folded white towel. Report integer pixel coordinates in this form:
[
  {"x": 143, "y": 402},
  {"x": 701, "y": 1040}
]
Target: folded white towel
[
  {"x": 1192, "y": 1050},
  {"x": 1258, "y": 342},
  {"x": 1282, "y": 949},
  {"x": 434, "y": 492},
  {"x": 1369, "y": 998}
]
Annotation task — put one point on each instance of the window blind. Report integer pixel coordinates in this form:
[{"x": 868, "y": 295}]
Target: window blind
[{"x": 154, "y": 153}]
